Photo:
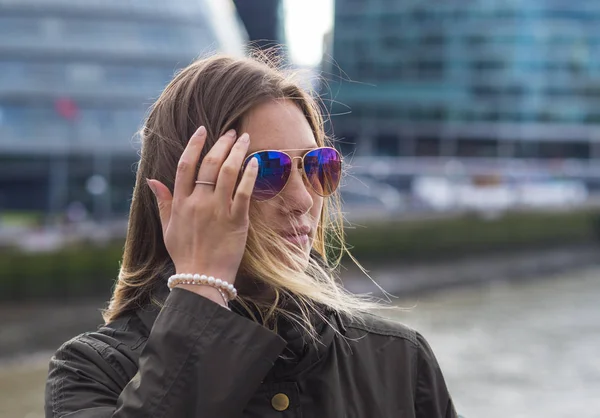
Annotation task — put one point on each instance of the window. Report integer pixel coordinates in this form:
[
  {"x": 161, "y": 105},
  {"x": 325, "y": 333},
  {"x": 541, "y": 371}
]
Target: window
[
  {"x": 387, "y": 145},
  {"x": 467, "y": 147},
  {"x": 548, "y": 116},
  {"x": 487, "y": 64},
  {"x": 421, "y": 15},
  {"x": 364, "y": 70},
  {"x": 433, "y": 40},
  {"x": 416, "y": 114},
  {"x": 18, "y": 27},
  {"x": 563, "y": 150},
  {"x": 427, "y": 147},
  {"x": 346, "y": 144},
  {"x": 392, "y": 42},
  {"x": 475, "y": 40},
  {"x": 527, "y": 149},
  {"x": 128, "y": 120},
  {"x": 591, "y": 91},
  {"x": 514, "y": 91},
  {"x": 592, "y": 118},
  {"x": 85, "y": 74},
  {"x": 385, "y": 72},
  {"x": 429, "y": 69},
  {"x": 27, "y": 122},
  {"x": 11, "y": 71},
  {"x": 557, "y": 92},
  {"x": 437, "y": 113},
  {"x": 151, "y": 77},
  {"x": 484, "y": 91}
]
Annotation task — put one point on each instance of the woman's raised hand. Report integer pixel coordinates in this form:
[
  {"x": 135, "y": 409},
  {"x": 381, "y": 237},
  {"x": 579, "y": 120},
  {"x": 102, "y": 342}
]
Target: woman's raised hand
[{"x": 205, "y": 226}]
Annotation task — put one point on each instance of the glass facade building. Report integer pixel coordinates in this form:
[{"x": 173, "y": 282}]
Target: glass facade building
[
  {"x": 468, "y": 79},
  {"x": 263, "y": 20},
  {"x": 76, "y": 78}
]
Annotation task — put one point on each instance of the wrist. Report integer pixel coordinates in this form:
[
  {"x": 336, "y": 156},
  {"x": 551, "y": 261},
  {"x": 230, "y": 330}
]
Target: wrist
[{"x": 206, "y": 291}]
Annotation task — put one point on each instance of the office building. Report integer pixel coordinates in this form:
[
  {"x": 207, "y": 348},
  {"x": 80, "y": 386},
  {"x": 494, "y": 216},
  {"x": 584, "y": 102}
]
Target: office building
[
  {"x": 263, "y": 20},
  {"x": 468, "y": 79},
  {"x": 76, "y": 78}
]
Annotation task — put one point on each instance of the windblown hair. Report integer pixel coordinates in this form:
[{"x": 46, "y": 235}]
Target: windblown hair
[{"x": 218, "y": 92}]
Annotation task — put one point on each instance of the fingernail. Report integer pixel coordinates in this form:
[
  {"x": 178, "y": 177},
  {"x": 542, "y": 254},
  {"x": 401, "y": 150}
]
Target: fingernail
[
  {"x": 200, "y": 131},
  {"x": 254, "y": 162},
  {"x": 244, "y": 138},
  {"x": 152, "y": 186},
  {"x": 231, "y": 133}
]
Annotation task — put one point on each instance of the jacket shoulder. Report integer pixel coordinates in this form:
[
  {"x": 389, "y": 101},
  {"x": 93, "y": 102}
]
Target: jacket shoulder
[
  {"x": 93, "y": 365},
  {"x": 378, "y": 325},
  {"x": 116, "y": 346},
  {"x": 126, "y": 333}
]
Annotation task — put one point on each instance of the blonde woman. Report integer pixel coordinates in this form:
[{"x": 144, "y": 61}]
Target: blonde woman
[{"x": 226, "y": 305}]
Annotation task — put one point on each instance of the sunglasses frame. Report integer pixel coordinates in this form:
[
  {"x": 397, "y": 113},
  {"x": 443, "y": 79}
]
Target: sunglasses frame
[{"x": 301, "y": 158}]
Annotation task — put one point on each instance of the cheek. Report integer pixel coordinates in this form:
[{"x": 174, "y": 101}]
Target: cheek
[
  {"x": 263, "y": 211},
  {"x": 272, "y": 209},
  {"x": 317, "y": 207}
]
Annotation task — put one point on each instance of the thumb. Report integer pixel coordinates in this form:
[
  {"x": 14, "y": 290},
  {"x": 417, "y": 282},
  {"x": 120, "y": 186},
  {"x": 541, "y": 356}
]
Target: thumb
[{"x": 164, "y": 199}]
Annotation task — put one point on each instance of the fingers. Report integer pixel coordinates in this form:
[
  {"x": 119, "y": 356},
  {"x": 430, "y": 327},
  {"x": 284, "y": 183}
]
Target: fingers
[
  {"x": 213, "y": 160},
  {"x": 186, "y": 168},
  {"x": 241, "y": 201},
  {"x": 164, "y": 200},
  {"x": 230, "y": 170}
]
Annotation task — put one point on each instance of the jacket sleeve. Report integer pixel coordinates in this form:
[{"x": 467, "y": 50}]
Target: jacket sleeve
[
  {"x": 200, "y": 360},
  {"x": 432, "y": 399}
]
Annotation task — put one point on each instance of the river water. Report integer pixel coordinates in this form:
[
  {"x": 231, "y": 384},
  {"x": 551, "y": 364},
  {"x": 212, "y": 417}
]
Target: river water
[{"x": 520, "y": 350}]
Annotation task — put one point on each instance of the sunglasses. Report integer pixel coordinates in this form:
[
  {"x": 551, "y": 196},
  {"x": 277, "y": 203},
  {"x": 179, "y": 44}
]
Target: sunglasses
[{"x": 321, "y": 167}]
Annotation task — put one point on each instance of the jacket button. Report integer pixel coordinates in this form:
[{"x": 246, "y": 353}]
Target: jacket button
[{"x": 280, "y": 402}]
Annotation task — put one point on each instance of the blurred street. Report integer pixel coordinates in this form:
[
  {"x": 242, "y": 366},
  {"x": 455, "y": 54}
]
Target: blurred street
[{"x": 502, "y": 346}]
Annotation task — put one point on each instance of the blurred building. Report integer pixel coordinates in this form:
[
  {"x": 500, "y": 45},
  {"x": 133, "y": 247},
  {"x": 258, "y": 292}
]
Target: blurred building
[
  {"x": 469, "y": 79},
  {"x": 263, "y": 20},
  {"x": 76, "y": 78}
]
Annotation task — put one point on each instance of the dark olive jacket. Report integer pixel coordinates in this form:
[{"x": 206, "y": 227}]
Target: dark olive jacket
[{"x": 194, "y": 358}]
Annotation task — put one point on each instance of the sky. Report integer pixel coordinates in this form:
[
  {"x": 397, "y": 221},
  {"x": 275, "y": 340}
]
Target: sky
[{"x": 306, "y": 22}]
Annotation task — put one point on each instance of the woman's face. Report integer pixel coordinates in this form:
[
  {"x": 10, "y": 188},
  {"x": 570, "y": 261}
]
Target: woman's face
[{"x": 280, "y": 125}]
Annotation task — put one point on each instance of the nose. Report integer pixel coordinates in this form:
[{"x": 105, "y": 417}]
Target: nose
[{"x": 296, "y": 195}]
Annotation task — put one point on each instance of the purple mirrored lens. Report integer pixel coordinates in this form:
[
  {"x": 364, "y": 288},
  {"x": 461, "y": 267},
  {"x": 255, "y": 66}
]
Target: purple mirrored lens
[
  {"x": 274, "y": 170},
  {"x": 323, "y": 167}
]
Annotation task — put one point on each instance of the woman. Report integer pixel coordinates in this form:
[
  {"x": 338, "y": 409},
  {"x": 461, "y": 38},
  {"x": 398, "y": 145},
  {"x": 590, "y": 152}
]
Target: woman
[{"x": 281, "y": 337}]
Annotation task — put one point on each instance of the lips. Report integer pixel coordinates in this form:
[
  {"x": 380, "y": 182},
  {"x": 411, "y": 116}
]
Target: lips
[
  {"x": 299, "y": 235},
  {"x": 298, "y": 239}
]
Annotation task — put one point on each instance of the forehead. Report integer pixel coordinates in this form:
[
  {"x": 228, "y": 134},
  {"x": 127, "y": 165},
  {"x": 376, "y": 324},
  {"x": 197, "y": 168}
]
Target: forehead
[{"x": 278, "y": 124}]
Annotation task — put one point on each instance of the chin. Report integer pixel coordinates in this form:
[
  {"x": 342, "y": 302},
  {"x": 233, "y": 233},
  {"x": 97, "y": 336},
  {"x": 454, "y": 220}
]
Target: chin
[{"x": 304, "y": 251}]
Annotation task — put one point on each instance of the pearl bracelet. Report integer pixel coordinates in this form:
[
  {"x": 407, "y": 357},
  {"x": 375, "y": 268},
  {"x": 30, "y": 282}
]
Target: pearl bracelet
[{"x": 201, "y": 279}]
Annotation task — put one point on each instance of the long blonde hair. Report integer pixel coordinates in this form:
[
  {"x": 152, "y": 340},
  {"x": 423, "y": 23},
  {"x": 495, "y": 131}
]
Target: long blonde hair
[{"x": 218, "y": 92}]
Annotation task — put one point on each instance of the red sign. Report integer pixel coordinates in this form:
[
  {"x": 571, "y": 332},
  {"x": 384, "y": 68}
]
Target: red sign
[{"x": 66, "y": 108}]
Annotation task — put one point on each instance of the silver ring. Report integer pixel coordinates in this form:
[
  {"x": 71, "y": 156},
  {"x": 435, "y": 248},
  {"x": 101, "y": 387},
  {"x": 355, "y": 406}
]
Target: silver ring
[{"x": 210, "y": 183}]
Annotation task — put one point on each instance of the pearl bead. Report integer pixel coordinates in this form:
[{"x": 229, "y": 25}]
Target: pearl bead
[{"x": 227, "y": 290}]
